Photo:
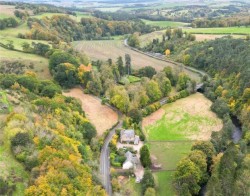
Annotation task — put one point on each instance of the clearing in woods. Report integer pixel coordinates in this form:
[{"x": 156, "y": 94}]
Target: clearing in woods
[
  {"x": 101, "y": 116},
  {"x": 171, "y": 132},
  {"x": 104, "y": 49}
]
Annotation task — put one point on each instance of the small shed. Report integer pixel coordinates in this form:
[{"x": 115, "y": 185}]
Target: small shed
[{"x": 137, "y": 140}]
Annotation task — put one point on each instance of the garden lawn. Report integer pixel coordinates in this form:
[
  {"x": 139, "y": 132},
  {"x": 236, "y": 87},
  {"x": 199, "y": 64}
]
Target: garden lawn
[
  {"x": 133, "y": 79},
  {"x": 164, "y": 183}
]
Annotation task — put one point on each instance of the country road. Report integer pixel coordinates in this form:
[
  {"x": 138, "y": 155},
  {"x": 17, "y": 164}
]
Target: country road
[{"x": 104, "y": 160}]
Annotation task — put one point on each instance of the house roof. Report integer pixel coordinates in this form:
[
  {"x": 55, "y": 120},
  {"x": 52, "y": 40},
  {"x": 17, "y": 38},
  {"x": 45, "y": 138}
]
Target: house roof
[
  {"x": 131, "y": 157},
  {"x": 130, "y": 133}
]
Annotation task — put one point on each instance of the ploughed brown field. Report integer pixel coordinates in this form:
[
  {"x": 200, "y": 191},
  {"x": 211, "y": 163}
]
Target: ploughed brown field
[{"x": 101, "y": 116}]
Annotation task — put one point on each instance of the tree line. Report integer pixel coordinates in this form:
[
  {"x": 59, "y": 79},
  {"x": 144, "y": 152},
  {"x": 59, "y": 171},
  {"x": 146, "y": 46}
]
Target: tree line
[
  {"x": 228, "y": 174},
  {"x": 233, "y": 21},
  {"x": 8, "y": 23},
  {"x": 64, "y": 28},
  {"x": 173, "y": 42}
]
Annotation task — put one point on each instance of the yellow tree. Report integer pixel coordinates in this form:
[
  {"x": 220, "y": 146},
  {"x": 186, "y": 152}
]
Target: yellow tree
[{"x": 167, "y": 52}]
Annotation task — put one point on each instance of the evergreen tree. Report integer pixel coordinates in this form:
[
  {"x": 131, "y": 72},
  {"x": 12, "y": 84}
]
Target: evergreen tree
[
  {"x": 120, "y": 65},
  {"x": 127, "y": 64}
]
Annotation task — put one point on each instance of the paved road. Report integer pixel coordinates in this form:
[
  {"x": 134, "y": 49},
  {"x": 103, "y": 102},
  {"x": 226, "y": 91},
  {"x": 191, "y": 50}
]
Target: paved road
[{"x": 104, "y": 160}]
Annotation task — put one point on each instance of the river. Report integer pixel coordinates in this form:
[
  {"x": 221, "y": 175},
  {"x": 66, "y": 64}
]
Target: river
[{"x": 237, "y": 132}]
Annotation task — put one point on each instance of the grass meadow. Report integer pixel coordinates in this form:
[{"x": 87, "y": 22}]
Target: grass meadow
[
  {"x": 222, "y": 30},
  {"x": 164, "y": 183},
  {"x": 170, "y": 153},
  {"x": 40, "y": 63},
  {"x": 172, "y": 131},
  {"x": 165, "y": 24}
]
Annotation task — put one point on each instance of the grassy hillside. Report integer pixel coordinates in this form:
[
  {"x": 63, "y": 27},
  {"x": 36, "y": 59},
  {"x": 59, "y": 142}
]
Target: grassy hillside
[{"x": 40, "y": 63}]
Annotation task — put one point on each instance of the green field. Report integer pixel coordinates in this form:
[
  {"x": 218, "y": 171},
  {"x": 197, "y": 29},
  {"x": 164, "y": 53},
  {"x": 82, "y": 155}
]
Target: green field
[
  {"x": 2, "y": 16},
  {"x": 188, "y": 118},
  {"x": 164, "y": 24},
  {"x": 40, "y": 63},
  {"x": 177, "y": 126},
  {"x": 13, "y": 32},
  {"x": 10, "y": 34},
  {"x": 164, "y": 183},
  {"x": 171, "y": 136},
  {"x": 169, "y": 153},
  {"x": 226, "y": 30}
]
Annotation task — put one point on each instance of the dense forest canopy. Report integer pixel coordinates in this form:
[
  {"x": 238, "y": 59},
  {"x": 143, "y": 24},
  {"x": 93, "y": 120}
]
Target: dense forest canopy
[{"x": 50, "y": 135}]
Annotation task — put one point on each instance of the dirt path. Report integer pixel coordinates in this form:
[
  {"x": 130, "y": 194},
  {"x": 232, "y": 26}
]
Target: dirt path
[{"x": 101, "y": 116}]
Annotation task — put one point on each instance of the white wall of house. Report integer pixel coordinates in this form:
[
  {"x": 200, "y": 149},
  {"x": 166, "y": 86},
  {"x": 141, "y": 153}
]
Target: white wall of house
[{"x": 127, "y": 165}]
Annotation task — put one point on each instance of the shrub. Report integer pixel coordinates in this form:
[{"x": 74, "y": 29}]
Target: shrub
[
  {"x": 21, "y": 139},
  {"x": 145, "y": 156}
]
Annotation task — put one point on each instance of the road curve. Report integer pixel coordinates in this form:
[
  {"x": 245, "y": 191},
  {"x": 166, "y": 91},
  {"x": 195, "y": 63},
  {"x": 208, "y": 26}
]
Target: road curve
[{"x": 104, "y": 160}]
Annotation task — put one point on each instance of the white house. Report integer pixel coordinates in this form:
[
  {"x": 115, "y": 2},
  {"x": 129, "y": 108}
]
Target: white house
[{"x": 131, "y": 161}]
